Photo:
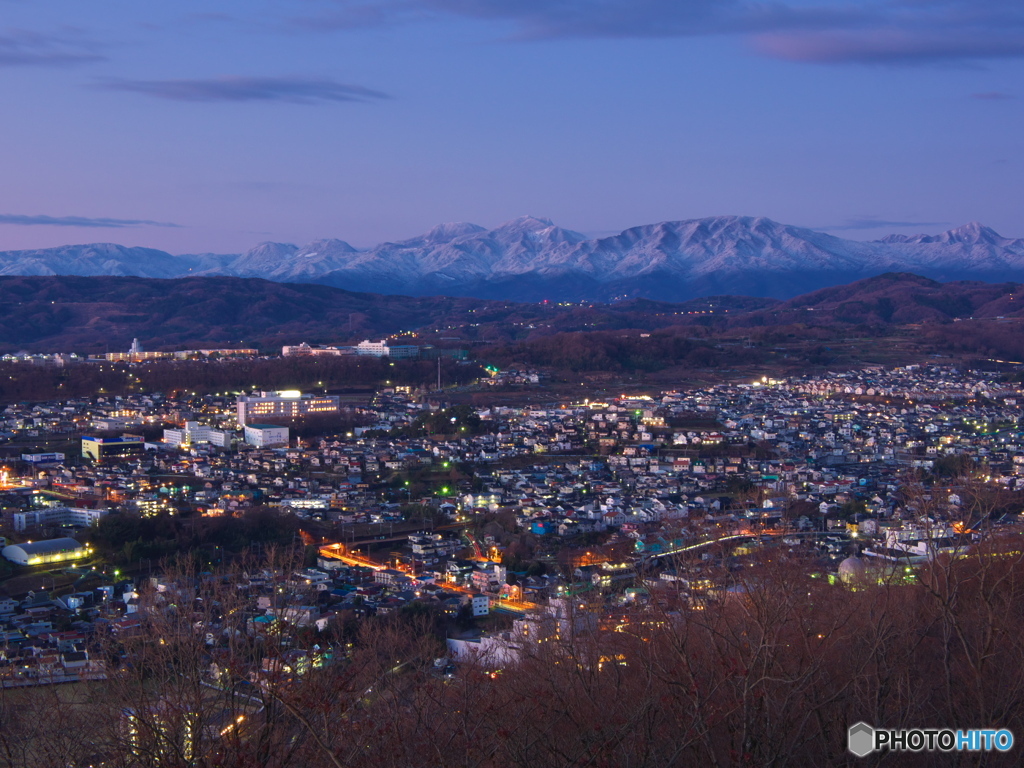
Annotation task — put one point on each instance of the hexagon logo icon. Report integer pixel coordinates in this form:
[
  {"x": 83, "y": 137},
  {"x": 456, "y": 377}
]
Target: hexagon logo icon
[{"x": 860, "y": 739}]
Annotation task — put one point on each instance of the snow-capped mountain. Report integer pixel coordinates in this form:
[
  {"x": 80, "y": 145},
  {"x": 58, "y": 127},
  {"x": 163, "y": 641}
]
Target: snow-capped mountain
[
  {"x": 94, "y": 259},
  {"x": 531, "y": 258},
  {"x": 284, "y": 262},
  {"x": 975, "y": 247}
]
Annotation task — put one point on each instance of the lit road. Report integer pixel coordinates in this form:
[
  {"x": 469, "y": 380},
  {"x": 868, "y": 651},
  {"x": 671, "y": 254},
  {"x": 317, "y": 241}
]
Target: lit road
[
  {"x": 338, "y": 552},
  {"x": 734, "y": 537}
]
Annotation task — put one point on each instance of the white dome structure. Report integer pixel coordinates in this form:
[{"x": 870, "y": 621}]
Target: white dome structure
[{"x": 852, "y": 570}]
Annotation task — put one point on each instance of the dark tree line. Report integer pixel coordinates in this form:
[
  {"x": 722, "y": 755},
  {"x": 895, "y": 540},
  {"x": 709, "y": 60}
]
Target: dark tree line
[
  {"x": 985, "y": 338},
  {"x": 22, "y": 382},
  {"x": 618, "y": 351},
  {"x": 126, "y": 538}
]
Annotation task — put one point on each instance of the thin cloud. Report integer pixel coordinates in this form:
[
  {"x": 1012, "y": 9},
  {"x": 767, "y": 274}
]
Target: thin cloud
[
  {"x": 890, "y": 32},
  {"x": 907, "y": 46},
  {"x": 79, "y": 221},
  {"x": 655, "y": 18},
  {"x": 872, "y": 223},
  {"x": 359, "y": 15},
  {"x": 233, "y": 88},
  {"x": 23, "y": 48},
  {"x": 598, "y": 18}
]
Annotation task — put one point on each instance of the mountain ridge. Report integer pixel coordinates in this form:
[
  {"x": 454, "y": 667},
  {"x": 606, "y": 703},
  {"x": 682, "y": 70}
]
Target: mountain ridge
[{"x": 531, "y": 258}]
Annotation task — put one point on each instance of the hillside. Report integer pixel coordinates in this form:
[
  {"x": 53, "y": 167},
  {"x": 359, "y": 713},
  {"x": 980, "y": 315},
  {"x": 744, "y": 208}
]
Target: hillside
[
  {"x": 95, "y": 314},
  {"x": 90, "y": 314},
  {"x": 893, "y": 319},
  {"x": 895, "y": 298}
]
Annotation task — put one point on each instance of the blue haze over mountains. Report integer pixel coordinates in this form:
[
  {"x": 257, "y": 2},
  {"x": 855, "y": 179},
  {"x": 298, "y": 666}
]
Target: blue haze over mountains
[{"x": 531, "y": 259}]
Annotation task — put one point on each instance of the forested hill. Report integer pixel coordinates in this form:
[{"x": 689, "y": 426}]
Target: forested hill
[
  {"x": 93, "y": 314},
  {"x": 97, "y": 314}
]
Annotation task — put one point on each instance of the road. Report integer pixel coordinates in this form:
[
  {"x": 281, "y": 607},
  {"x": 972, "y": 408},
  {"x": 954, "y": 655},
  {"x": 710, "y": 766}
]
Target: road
[
  {"x": 734, "y": 537},
  {"x": 339, "y": 552}
]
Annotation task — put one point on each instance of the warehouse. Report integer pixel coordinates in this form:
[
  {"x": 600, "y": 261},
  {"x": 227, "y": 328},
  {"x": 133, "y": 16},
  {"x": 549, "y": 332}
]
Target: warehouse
[{"x": 50, "y": 551}]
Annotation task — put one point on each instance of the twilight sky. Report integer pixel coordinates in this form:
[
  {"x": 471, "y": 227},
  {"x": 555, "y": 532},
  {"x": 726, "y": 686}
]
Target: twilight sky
[{"x": 210, "y": 126}]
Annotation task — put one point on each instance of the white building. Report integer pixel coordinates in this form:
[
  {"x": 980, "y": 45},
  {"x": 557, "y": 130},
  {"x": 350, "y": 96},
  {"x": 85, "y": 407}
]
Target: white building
[
  {"x": 82, "y": 518},
  {"x": 195, "y": 433},
  {"x": 481, "y": 605},
  {"x": 383, "y": 349},
  {"x": 403, "y": 351},
  {"x": 288, "y": 404},
  {"x": 43, "y": 458},
  {"x": 266, "y": 435},
  {"x": 492, "y": 651},
  {"x": 304, "y": 350},
  {"x": 220, "y": 438},
  {"x": 372, "y": 348},
  {"x": 117, "y": 423}
]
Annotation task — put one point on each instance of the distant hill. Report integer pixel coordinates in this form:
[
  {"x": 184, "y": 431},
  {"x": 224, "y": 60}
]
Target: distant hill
[
  {"x": 531, "y": 259},
  {"x": 898, "y": 299},
  {"x": 895, "y": 318},
  {"x": 105, "y": 313},
  {"x": 96, "y": 314}
]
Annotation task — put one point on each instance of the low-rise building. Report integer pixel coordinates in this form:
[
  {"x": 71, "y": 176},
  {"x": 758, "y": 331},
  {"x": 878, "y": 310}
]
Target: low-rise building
[
  {"x": 100, "y": 448},
  {"x": 82, "y": 518},
  {"x": 49, "y": 551},
  {"x": 266, "y": 435}
]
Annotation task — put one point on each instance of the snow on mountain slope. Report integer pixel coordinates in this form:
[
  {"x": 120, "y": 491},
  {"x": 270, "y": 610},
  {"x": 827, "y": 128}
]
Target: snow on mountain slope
[
  {"x": 95, "y": 259},
  {"x": 530, "y": 257},
  {"x": 258, "y": 261}
]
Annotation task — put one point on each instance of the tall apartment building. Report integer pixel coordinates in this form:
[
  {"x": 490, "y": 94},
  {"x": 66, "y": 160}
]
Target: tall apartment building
[{"x": 289, "y": 404}]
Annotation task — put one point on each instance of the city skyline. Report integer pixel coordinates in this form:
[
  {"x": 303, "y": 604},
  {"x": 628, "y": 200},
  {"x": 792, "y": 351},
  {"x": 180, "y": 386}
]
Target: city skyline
[{"x": 210, "y": 127}]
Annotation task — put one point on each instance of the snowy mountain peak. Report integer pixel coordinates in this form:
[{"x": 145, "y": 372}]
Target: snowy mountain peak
[
  {"x": 972, "y": 233},
  {"x": 262, "y": 259},
  {"x": 330, "y": 245},
  {"x": 449, "y": 231},
  {"x": 536, "y": 229},
  {"x": 525, "y": 223},
  {"x": 530, "y": 257},
  {"x": 268, "y": 247}
]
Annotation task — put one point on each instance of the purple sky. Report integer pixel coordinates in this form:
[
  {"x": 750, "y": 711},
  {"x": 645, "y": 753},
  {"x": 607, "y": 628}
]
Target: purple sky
[{"x": 212, "y": 126}]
